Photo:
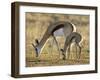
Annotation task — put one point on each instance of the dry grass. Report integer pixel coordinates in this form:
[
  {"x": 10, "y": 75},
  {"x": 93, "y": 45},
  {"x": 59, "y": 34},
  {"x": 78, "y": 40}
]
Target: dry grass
[{"x": 36, "y": 25}]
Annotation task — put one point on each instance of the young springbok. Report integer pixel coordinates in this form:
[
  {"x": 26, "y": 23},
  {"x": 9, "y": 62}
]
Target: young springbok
[
  {"x": 73, "y": 37},
  {"x": 65, "y": 29}
]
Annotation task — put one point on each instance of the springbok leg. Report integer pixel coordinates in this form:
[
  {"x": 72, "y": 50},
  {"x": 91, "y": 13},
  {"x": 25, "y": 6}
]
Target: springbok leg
[
  {"x": 51, "y": 48},
  {"x": 56, "y": 44},
  {"x": 68, "y": 52},
  {"x": 79, "y": 51},
  {"x": 76, "y": 50}
]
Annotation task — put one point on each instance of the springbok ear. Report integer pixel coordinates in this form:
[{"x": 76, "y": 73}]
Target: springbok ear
[
  {"x": 37, "y": 41},
  {"x": 35, "y": 49},
  {"x": 33, "y": 45}
]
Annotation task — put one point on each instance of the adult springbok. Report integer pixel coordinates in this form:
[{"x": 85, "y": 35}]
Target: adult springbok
[
  {"x": 64, "y": 28},
  {"x": 73, "y": 37}
]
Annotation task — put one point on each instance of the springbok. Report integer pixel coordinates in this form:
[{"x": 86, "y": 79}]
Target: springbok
[
  {"x": 73, "y": 37},
  {"x": 65, "y": 29}
]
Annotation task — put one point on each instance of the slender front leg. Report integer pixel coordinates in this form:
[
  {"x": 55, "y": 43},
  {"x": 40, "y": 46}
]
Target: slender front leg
[
  {"x": 68, "y": 52},
  {"x": 57, "y": 45},
  {"x": 67, "y": 42},
  {"x": 63, "y": 54},
  {"x": 76, "y": 50},
  {"x": 79, "y": 51}
]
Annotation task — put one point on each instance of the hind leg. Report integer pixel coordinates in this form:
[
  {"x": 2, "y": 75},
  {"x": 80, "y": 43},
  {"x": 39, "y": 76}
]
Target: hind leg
[
  {"x": 76, "y": 51},
  {"x": 79, "y": 51}
]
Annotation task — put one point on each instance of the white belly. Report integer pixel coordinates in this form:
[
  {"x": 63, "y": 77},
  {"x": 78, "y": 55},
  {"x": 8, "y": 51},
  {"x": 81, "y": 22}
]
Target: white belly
[{"x": 59, "y": 32}]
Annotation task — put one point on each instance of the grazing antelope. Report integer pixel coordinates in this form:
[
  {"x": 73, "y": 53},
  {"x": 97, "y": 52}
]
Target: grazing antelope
[
  {"x": 73, "y": 37},
  {"x": 64, "y": 28}
]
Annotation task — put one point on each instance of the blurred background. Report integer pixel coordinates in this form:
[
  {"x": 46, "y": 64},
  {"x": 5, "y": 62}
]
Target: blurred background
[{"x": 37, "y": 24}]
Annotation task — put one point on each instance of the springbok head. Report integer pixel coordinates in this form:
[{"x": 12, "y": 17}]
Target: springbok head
[{"x": 35, "y": 48}]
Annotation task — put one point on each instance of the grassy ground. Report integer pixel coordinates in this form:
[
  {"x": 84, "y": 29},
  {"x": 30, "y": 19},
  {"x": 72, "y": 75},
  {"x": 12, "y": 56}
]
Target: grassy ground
[{"x": 36, "y": 25}]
